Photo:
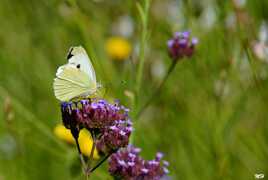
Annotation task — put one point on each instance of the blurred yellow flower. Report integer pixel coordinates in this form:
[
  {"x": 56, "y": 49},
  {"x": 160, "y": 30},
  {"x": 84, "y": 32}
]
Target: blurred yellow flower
[
  {"x": 86, "y": 142},
  {"x": 64, "y": 134},
  {"x": 85, "y": 139},
  {"x": 118, "y": 48}
]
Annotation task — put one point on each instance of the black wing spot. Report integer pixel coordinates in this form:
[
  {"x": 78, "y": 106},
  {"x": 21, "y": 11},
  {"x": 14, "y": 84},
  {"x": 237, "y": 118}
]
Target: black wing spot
[{"x": 78, "y": 66}]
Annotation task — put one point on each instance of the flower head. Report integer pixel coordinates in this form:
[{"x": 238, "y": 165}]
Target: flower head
[
  {"x": 127, "y": 164},
  {"x": 91, "y": 114},
  {"x": 181, "y": 45},
  {"x": 110, "y": 122},
  {"x": 68, "y": 114},
  {"x": 118, "y": 48},
  {"x": 115, "y": 136}
]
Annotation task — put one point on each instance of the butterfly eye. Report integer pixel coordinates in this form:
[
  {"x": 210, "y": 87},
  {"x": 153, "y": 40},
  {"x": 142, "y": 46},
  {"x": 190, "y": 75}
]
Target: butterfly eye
[{"x": 78, "y": 66}]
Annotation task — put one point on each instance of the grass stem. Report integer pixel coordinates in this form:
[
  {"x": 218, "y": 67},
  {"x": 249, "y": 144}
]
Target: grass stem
[
  {"x": 153, "y": 96},
  {"x": 144, "y": 13}
]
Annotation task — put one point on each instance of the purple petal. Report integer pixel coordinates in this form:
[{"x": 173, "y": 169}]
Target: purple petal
[
  {"x": 186, "y": 34},
  {"x": 144, "y": 170},
  {"x": 194, "y": 41},
  {"x": 159, "y": 155},
  {"x": 166, "y": 163}
]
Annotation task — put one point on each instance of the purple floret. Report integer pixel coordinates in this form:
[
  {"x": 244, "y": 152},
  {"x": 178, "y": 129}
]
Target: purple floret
[{"x": 181, "y": 45}]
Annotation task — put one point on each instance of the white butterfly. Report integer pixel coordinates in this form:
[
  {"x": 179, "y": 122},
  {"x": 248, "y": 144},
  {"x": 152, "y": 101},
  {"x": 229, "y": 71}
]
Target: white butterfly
[{"x": 77, "y": 78}]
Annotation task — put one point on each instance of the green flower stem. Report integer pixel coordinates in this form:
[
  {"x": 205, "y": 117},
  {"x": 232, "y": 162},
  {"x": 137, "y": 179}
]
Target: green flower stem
[
  {"x": 84, "y": 166},
  {"x": 143, "y": 11},
  {"x": 252, "y": 66},
  {"x": 91, "y": 153},
  {"x": 153, "y": 96},
  {"x": 245, "y": 41},
  {"x": 101, "y": 162}
]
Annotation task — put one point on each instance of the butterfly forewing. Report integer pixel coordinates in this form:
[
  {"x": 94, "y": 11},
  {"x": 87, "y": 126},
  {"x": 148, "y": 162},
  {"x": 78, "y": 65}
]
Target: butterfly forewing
[{"x": 80, "y": 59}]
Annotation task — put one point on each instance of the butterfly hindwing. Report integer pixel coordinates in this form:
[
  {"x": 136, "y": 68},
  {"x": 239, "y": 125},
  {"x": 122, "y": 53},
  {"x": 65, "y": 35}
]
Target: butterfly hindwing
[{"x": 72, "y": 82}]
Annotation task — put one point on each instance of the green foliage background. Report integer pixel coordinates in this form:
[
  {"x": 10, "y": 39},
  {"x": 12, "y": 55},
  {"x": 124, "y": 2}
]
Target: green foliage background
[{"x": 204, "y": 133}]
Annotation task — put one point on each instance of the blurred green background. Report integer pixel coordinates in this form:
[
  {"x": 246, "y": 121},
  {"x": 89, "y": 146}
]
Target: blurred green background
[{"x": 210, "y": 119}]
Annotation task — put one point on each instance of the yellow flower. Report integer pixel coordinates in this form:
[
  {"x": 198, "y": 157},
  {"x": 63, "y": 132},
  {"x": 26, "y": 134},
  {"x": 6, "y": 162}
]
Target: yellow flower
[
  {"x": 118, "y": 48},
  {"x": 64, "y": 134},
  {"x": 85, "y": 140}
]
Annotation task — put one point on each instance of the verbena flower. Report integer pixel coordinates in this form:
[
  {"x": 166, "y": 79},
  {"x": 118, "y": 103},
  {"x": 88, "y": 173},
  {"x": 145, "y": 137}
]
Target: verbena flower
[
  {"x": 115, "y": 136},
  {"x": 118, "y": 48},
  {"x": 127, "y": 164},
  {"x": 181, "y": 45},
  {"x": 110, "y": 122},
  {"x": 91, "y": 114},
  {"x": 85, "y": 140}
]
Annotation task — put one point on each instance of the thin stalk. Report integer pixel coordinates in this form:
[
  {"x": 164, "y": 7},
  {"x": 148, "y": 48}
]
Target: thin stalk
[
  {"x": 84, "y": 166},
  {"x": 245, "y": 42},
  {"x": 143, "y": 11},
  {"x": 101, "y": 162},
  {"x": 91, "y": 153},
  {"x": 150, "y": 100},
  {"x": 252, "y": 67}
]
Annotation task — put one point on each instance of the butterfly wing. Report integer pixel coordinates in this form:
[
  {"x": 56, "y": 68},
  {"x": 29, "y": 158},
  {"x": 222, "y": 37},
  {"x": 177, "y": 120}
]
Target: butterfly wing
[
  {"x": 78, "y": 57},
  {"x": 71, "y": 82}
]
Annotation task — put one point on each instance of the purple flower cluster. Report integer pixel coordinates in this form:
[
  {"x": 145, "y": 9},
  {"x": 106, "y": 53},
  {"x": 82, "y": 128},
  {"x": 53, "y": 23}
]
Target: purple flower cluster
[
  {"x": 110, "y": 122},
  {"x": 127, "y": 164},
  {"x": 92, "y": 114},
  {"x": 115, "y": 136},
  {"x": 181, "y": 45}
]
